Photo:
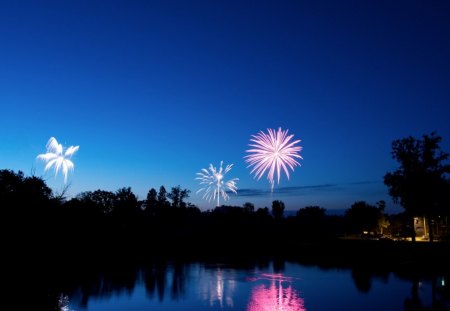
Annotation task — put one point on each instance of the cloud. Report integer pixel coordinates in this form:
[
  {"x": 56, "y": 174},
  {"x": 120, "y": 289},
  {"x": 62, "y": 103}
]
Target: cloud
[
  {"x": 289, "y": 191},
  {"x": 364, "y": 182},
  {"x": 252, "y": 192},
  {"x": 304, "y": 190}
]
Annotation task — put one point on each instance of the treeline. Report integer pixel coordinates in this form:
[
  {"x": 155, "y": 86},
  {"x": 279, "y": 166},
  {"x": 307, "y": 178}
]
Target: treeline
[{"x": 116, "y": 221}]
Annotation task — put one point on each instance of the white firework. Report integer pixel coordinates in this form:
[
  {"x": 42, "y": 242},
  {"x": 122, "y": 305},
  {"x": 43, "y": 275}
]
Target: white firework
[
  {"x": 213, "y": 183},
  {"x": 57, "y": 158}
]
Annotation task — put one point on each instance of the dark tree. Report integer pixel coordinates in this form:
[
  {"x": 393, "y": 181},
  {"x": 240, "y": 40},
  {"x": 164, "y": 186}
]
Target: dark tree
[
  {"x": 249, "y": 207},
  {"x": 126, "y": 203},
  {"x": 362, "y": 217},
  {"x": 162, "y": 197},
  {"x": 277, "y": 209},
  {"x": 101, "y": 200},
  {"x": 174, "y": 195},
  {"x": 177, "y": 195},
  {"x": 263, "y": 212},
  {"x": 152, "y": 200},
  {"x": 184, "y": 194},
  {"x": 26, "y": 207},
  {"x": 419, "y": 183},
  {"x": 23, "y": 194},
  {"x": 36, "y": 190}
]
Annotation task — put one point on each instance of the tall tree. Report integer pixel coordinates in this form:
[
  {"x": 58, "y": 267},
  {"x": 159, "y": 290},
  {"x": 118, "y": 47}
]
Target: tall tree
[
  {"x": 420, "y": 181},
  {"x": 152, "y": 200},
  {"x": 162, "y": 197},
  {"x": 174, "y": 195},
  {"x": 16, "y": 190},
  {"x": 184, "y": 194},
  {"x": 26, "y": 204},
  {"x": 126, "y": 203},
  {"x": 177, "y": 195},
  {"x": 277, "y": 209}
]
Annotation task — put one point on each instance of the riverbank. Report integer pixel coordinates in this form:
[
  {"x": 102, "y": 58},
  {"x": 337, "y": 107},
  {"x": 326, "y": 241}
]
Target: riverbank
[{"x": 391, "y": 255}]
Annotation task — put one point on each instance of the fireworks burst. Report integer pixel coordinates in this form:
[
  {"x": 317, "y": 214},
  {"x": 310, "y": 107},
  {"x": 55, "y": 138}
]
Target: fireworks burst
[
  {"x": 273, "y": 152},
  {"x": 213, "y": 182},
  {"x": 55, "y": 157}
]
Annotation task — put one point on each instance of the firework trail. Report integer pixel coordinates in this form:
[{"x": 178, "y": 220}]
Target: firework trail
[
  {"x": 213, "y": 184},
  {"x": 272, "y": 152},
  {"x": 55, "y": 157}
]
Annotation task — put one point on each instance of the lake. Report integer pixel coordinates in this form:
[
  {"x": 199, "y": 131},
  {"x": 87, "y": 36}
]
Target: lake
[{"x": 252, "y": 286}]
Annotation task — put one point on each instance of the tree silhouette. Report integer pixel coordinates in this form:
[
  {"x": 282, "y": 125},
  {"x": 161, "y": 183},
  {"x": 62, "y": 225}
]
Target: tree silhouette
[
  {"x": 101, "y": 200},
  {"x": 126, "y": 203},
  {"x": 277, "y": 209},
  {"x": 311, "y": 221},
  {"x": 10, "y": 184},
  {"x": 362, "y": 216},
  {"x": 263, "y": 212},
  {"x": 177, "y": 195},
  {"x": 311, "y": 213},
  {"x": 419, "y": 183},
  {"x": 22, "y": 195},
  {"x": 152, "y": 201},
  {"x": 162, "y": 197},
  {"x": 249, "y": 207}
]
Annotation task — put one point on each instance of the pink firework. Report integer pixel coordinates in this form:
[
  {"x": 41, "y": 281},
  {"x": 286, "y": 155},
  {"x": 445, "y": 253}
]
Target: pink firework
[{"x": 272, "y": 152}]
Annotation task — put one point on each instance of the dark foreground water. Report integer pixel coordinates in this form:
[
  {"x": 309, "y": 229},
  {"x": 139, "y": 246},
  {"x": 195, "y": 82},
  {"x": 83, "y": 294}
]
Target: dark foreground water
[{"x": 271, "y": 285}]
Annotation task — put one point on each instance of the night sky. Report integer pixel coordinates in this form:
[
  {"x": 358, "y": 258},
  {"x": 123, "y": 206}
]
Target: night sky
[{"x": 154, "y": 91}]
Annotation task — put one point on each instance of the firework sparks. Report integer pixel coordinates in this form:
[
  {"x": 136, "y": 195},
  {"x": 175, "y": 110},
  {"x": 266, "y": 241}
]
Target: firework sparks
[
  {"x": 273, "y": 152},
  {"x": 213, "y": 182},
  {"x": 57, "y": 158}
]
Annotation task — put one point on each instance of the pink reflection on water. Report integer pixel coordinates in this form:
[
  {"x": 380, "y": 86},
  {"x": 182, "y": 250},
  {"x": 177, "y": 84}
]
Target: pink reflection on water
[{"x": 278, "y": 295}]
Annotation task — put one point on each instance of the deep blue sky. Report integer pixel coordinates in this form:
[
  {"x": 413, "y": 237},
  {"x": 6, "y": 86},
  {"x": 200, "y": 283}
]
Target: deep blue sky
[{"x": 154, "y": 91}]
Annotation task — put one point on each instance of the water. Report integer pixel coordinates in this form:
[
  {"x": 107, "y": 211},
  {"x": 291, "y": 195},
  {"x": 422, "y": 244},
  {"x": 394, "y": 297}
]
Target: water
[{"x": 271, "y": 285}]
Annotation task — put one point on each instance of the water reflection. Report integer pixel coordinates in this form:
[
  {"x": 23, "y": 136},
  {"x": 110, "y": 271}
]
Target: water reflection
[
  {"x": 84, "y": 285},
  {"x": 258, "y": 286},
  {"x": 434, "y": 295},
  {"x": 154, "y": 277},
  {"x": 63, "y": 303},
  {"x": 218, "y": 288},
  {"x": 363, "y": 278},
  {"x": 278, "y": 294}
]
